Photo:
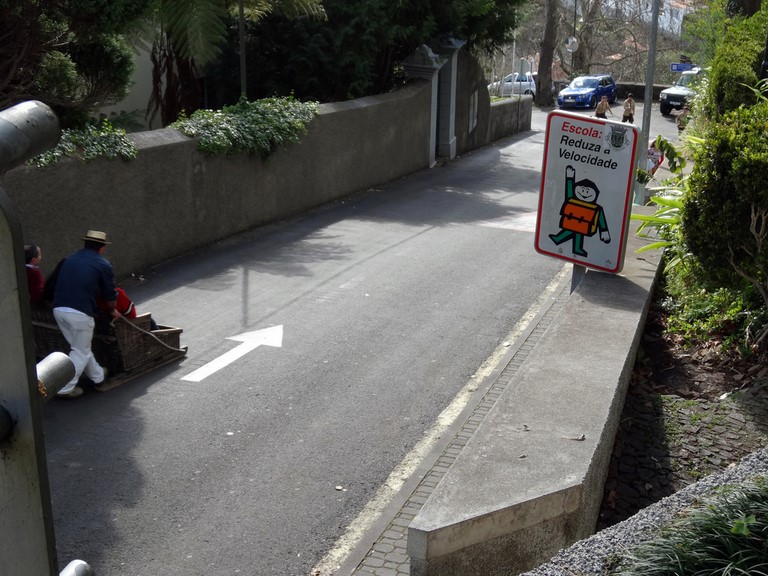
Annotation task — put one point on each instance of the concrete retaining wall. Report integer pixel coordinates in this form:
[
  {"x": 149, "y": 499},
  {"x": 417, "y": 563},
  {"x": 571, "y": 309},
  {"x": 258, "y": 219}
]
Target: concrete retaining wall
[
  {"x": 173, "y": 199},
  {"x": 530, "y": 481},
  {"x": 515, "y": 111}
]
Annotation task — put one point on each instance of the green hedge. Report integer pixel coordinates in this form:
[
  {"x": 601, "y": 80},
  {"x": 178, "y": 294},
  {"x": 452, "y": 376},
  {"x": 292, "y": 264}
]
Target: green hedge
[
  {"x": 257, "y": 127},
  {"x": 725, "y": 214},
  {"x": 736, "y": 67}
]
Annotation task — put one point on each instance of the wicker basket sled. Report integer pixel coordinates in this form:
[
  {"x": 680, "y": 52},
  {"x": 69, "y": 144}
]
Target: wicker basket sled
[{"x": 128, "y": 348}]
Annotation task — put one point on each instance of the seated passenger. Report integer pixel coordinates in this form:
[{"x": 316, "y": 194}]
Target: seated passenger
[
  {"x": 35, "y": 278},
  {"x": 125, "y": 306}
]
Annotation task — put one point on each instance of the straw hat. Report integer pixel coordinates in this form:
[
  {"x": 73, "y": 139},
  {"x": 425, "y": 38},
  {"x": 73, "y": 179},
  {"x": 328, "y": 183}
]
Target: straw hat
[{"x": 96, "y": 236}]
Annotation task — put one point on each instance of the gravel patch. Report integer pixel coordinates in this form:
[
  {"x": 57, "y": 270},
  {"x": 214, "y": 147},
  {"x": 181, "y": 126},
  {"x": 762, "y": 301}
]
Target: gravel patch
[{"x": 592, "y": 556}]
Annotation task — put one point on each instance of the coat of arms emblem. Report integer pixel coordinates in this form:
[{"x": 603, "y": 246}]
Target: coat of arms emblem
[{"x": 617, "y": 137}]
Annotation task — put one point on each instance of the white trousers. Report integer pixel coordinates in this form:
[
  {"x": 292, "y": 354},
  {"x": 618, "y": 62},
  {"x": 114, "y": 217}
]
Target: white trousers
[{"x": 77, "y": 329}]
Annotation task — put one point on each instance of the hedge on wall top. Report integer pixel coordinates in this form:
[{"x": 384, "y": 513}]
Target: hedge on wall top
[
  {"x": 88, "y": 143},
  {"x": 257, "y": 127}
]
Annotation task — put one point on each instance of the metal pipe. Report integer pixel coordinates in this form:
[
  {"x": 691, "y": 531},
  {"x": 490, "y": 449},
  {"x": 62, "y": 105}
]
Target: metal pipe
[
  {"x": 26, "y": 130},
  {"x": 77, "y": 568},
  {"x": 53, "y": 373}
]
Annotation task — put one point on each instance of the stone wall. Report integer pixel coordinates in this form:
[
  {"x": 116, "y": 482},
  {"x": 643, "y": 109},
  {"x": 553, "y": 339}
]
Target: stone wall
[{"x": 173, "y": 199}]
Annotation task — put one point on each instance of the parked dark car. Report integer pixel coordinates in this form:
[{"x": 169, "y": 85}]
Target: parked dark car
[{"x": 586, "y": 91}]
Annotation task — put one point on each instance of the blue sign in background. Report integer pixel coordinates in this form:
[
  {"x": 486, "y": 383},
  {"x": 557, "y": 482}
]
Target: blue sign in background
[{"x": 680, "y": 67}]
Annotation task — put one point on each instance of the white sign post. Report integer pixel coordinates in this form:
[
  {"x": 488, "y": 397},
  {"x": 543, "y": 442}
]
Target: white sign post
[{"x": 586, "y": 190}]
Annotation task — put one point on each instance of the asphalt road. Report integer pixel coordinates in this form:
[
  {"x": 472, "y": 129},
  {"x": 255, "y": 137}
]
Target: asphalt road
[{"x": 382, "y": 308}]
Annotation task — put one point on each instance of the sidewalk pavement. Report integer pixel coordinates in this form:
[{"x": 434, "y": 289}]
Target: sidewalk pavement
[{"x": 383, "y": 551}]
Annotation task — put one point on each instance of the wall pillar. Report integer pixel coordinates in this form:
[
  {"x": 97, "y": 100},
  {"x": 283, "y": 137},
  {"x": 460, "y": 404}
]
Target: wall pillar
[
  {"x": 447, "y": 85},
  {"x": 425, "y": 64}
]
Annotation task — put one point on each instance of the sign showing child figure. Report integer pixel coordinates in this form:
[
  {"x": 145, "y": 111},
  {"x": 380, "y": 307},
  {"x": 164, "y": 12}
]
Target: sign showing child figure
[{"x": 586, "y": 190}]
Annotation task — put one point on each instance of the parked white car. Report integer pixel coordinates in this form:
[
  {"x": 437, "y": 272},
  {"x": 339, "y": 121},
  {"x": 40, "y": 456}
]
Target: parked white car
[{"x": 514, "y": 83}]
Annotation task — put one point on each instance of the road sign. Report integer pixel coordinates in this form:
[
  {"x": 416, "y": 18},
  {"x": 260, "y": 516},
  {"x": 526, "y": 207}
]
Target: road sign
[
  {"x": 587, "y": 185},
  {"x": 680, "y": 66}
]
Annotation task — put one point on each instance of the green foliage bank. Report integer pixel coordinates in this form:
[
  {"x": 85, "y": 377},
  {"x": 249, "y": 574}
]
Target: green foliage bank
[
  {"x": 714, "y": 221},
  {"x": 253, "y": 127}
]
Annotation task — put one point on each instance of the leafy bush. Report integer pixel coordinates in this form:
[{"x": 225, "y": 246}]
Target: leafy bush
[
  {"x": 665, "y": 222},
  {"x": 725, "y": 217},
  {"x": 88, "y": 143},
  {"x": 700, "y": 311},
  {"x": 736, "y": 66},
  {"x": 666, "y": 225},
  {"x": 698, "y": 306},
  {"x": 256, "y": 127},
  {"x": 728, "y": 534}
]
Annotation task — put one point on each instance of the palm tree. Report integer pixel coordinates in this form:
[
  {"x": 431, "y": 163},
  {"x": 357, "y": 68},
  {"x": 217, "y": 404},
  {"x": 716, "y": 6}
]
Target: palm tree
[{"x": 192, "y": 33}]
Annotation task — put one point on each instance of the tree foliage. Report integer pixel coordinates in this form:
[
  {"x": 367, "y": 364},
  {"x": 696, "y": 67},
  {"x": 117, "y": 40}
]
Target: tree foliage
[
  {"x": 736, "y": 66},
  {"x": 703, "y": 29},
  {"x": 613, "y": 37},
  {"x": 358, "y": 50},
  {"x": 195, "y": 32},
  {"x": 70, "y": 54}
]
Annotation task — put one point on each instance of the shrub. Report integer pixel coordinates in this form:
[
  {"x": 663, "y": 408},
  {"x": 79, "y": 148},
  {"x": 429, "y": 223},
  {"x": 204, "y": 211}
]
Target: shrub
[
  {"x": 701, "y": 311},
  {"x": 257, "y": 127},
  {"x": 736, "y": 66},
  {"x": 728, "y": 534},
  {"x": 725, "y": 215},
  {"x": 88, "y": 143},
  {"x": 665, "y": 222}
]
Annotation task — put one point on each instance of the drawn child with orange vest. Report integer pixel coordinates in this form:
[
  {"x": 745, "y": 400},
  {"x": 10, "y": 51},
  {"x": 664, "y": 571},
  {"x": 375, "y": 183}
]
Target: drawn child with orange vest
[{"x": 580, "y": 214}]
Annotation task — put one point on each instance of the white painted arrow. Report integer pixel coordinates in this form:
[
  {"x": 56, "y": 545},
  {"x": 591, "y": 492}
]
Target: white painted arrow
[{"x": 250, "y": 341}]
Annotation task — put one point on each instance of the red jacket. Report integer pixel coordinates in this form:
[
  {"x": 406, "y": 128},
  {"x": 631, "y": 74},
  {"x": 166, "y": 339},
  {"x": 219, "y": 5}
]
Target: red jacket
[
  {"x": 36, "y": 283},
  {"x": 124, "y": 305}
]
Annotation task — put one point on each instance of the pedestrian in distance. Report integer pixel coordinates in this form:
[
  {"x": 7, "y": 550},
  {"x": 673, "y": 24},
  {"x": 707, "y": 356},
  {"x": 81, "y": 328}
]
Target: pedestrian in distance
[
  {"x": 629, "y": 109},
  {"x": 81, "y": 280},
  {"x": 655, "y": 158},
  {"x": 683, "y": 118},
  {"x": 602, "y": 107},
  {"x": 35, "y": 279}
]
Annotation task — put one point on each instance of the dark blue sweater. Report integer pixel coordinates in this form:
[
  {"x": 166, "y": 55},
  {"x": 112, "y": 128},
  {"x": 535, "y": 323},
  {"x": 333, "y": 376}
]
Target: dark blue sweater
[{"x": 83, "y": 277}]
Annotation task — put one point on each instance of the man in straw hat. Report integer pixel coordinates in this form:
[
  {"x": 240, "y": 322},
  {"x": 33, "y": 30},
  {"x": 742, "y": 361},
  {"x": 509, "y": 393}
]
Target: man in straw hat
[{"x": 83, "y": 277}]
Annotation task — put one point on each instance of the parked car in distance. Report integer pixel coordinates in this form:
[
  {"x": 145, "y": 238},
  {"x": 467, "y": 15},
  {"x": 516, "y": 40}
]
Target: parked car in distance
[
  {"x": 586, "y": 91},
  {"x": 514, "y": 83},
  {"x": 677, "y": 95}
]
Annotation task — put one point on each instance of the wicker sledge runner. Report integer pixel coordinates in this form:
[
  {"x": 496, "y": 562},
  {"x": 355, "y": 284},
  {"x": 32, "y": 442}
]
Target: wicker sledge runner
[{"x": 127, "y": 348}]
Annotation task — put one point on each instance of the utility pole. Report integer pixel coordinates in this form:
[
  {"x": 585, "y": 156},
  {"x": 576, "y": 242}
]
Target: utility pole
[
  {"x": 571, "y": 43},
  {"x": 650, "y": 73}
]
